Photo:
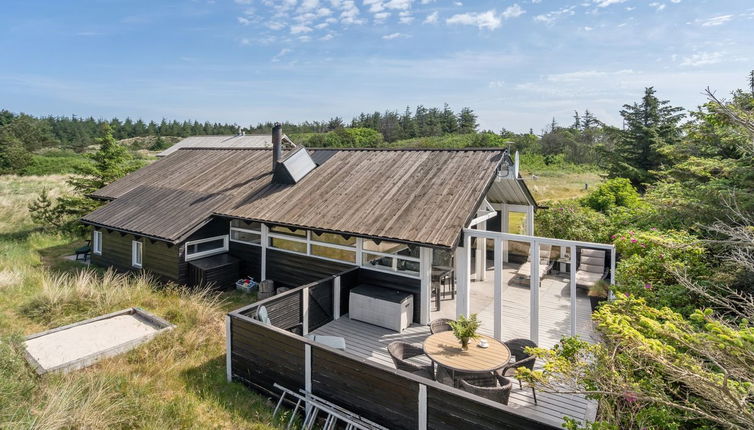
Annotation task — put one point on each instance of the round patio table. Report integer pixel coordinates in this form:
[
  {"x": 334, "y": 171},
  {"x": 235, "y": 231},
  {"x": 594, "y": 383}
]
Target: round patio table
[{"x": 444, "y": 349}]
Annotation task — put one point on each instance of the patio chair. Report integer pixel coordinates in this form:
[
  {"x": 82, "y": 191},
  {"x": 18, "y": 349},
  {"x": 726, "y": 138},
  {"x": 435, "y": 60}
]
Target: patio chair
[
  {"x": 499, "y": 391},
  {"x": 400, "y": 352},
  {"x": 544, "y": 263},
  {"x": 263, "y": 316},
  {"x": 522, "y": 359},
  {"x": 591, "y": 267},
  {"x": 440, "y": 325},
  {"x": 85, "y": 250},
  {"x": 448, "y": 377}
]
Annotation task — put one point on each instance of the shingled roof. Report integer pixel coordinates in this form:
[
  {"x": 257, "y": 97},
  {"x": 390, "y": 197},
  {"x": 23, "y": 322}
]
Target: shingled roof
[{"x": 420, "y": 196}]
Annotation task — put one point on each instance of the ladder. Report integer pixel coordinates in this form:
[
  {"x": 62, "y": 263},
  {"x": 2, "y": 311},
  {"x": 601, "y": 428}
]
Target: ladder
[{"x": 312, "y": 406}]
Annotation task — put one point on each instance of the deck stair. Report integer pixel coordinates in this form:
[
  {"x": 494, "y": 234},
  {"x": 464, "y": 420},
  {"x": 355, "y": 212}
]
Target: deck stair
[{"x": 312, "y": 407}]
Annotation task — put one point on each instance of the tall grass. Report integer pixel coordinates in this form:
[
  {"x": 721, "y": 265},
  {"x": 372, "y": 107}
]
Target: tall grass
[{"x": 177, "y": 380}]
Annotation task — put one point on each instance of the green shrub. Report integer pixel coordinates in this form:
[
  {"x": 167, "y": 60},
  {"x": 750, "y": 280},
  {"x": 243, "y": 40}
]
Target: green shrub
[
  {"x": 55, "y": 163},
  {"x": 649, "y": 262},
  {"x": 347, "y": 138},
  {"x": 617, "y": 192},
  {"x": 570, "y": 221}
]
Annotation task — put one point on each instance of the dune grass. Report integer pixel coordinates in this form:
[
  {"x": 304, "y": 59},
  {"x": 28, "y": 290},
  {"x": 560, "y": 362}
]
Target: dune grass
[{"x": 175, "y": 381}]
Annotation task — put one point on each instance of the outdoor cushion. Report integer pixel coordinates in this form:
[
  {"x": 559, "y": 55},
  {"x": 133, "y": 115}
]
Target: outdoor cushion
[{"x": 331, "y": 341}]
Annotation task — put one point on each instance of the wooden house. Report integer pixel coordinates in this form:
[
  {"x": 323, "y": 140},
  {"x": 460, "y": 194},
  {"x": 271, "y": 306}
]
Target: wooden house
[{"x": 325, "y": 221}]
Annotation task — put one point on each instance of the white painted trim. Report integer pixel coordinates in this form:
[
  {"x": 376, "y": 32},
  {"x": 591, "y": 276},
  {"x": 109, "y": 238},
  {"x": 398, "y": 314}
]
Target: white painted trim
[
  {"x": 463, "y": 276},
  {"x": 137, "y": 249},
  {"x": 511, "y": 208},
  {"x": 97, "y": 242},
  {"x": 308, "y": 368},
  {"x": 425, "y": 274},
  {"x": 422, "y": 418},
  {"x": 573, "y": 289},
  {"x": 305, "y": 311},
  {"x": 263, "y": 263},
  {"x": 515, "y": 165},
  {"x": 336, "y": 298},
  {"x": 482, "y": 253},
  {"x": 530, "y": 220},
  {"x": 228, "y": 352},
  {"x": 529, "y": 239},
  {"x": 504, "y": 227},
  {"x": 202, "y": 254},
  {"x": 498, "y": 286},
  {"x": 534, "y": 288},
  {"x": 243, "y": 230}
]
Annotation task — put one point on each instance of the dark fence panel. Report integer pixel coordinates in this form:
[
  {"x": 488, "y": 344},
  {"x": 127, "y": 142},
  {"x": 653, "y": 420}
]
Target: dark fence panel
[
  {"x": 449, "y": 411},
  {"x": 320, "y": 304},
  {"x": 293, "y": 270},
  {"x": 262, "y": 356},
  {"x": 285, "y": 310},
  {"x": 378, "y": 394}
]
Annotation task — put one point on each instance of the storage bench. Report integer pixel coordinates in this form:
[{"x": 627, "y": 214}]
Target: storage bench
[{"x": 380, "y": 306}]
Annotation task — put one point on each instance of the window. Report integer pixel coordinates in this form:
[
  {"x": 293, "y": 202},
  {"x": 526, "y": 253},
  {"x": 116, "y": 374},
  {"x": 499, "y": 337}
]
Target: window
[
  {"x": 97, "y": 242},
  {"x": 136, "y": 254},
  {"x": 288, "y": 231},
  {"x": 205, "y": 247},
  {"x": 392, "y": 256},
  {"x": 246, "y": 232}
]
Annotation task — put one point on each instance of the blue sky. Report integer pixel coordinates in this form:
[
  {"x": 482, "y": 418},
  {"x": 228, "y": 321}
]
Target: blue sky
[{"x": 516, "y": 63}]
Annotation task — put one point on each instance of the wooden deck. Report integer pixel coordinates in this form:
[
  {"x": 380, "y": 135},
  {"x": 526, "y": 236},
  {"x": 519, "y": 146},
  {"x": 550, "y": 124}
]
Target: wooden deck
[{"x": 370, "y": 342}]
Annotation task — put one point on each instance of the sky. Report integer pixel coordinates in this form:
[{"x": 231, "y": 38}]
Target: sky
[{"x": 517, "y": 64}]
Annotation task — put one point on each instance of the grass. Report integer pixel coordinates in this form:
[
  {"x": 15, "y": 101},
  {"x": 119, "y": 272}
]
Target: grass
[
  {"x": 550, "y": 186},
  {"x": 175, "y": 381}
]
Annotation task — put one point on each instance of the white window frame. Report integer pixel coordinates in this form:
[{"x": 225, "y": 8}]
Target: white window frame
[
  {"x": 244, "y": 230},
  {"x": 137, "y": 250},
  {"x": 358, "y": 248},
  {"x": 97, "y": 242},
  {"x": 395, "y": 257},
  {"x": 202, "y": 254}
]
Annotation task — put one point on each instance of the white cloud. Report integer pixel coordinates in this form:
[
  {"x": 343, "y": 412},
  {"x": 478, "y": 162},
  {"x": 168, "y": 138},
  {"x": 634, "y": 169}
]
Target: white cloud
[
  {"x": 551, "y": 16},
  {"x": 657, "y": 5},
  {"x": 392, "y": 36},
  {"x": 327, "y": 36},
  {"x": 398, "y": 4},
  {"x": 282, "y": 53},
  {"x": 703, "y": 59},
  {"x": 606, "y": 3},
  {"x": 583, "y": 75},
  {"x": 496, "y": 84},
  {"x": 675, "y": 1},
  {"x": 381, "y": 16},
  {"x": 587, "y": 28},
  {"x": 245, "y": 42},
  {"x": 483, "y": 20},
  {"x": 300, "y": 28},
  {"x": 350, "y": 13},
  {"x": 513, "y": 11},
  {"x": 431, "y": 18},
  {"x": 275, "y": 25},
  {"x": 307, "y": 5},
  {"x": 243, "y": 21},
  {"x": 427, "y": 1},
  {"x": 715, "y": 20}
]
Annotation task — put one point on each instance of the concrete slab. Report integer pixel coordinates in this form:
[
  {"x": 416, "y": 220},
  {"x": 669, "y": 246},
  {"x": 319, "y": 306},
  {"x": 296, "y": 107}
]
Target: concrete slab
[{"x": 84, "y": 343}]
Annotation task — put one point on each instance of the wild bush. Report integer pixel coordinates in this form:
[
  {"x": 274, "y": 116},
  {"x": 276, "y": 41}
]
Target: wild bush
[
  {"x": 613, "y": 193},
  {"x": 569, "y": 220}
]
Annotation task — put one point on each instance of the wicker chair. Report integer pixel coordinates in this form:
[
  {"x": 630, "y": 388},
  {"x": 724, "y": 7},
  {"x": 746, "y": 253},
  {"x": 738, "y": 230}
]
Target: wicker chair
[
  {"x": 523, "y": 359},
  {"x": 440, "y": 325},
  {"x": 446, "y": 376},
  {"x": 401, "y": 351},
  {"x": 498, "y": 391}
]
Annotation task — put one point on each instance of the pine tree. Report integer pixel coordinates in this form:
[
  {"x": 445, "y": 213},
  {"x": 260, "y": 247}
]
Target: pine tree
[
  {"x": 467, "y": 121},
  {"x": 650, "y": 125}
]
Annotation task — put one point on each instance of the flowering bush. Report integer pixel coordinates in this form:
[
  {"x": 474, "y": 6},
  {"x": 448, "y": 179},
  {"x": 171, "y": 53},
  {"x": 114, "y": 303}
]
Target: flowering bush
[{"x": 649, "y": 261}]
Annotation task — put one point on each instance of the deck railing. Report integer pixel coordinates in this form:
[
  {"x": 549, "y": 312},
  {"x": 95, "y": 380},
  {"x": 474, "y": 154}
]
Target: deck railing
[{"x": 260, "y": 355}]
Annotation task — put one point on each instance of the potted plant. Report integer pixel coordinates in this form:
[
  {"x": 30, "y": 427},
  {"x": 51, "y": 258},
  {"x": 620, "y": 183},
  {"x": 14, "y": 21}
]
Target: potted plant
[
  {"x": 598, "y": 293},
  {"x": 465, "y": 329}
]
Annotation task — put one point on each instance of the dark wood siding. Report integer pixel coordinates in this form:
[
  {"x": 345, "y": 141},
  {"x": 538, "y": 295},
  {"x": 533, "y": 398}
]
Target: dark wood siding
[
  {"x": 285, "y": 311},
  {"x": 293, "y": 270},
  {"x": 216, "y": 227},
  {"x": 377, "y": 394},
  {"x": 262, "y": 356},
  {"x": 389, "y": 280},
  {"x": 158, "y": 257},
  {"x": 250, "y": 257},
  {"x": 449, "y": 411},
  {"x": 320, "y": 304}
]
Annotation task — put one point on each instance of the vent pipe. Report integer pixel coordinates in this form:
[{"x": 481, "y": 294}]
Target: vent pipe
[{"x": 277, "y": 144}]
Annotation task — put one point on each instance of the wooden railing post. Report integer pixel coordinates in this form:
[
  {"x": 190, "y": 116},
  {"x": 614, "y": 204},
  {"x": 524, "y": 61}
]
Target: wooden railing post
[
  {"x": 305, "y": 311},
  {"x": 422, "y": 418},
  {"x": 228, "y": 351},
  {"x": 336, "y": 298}
]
